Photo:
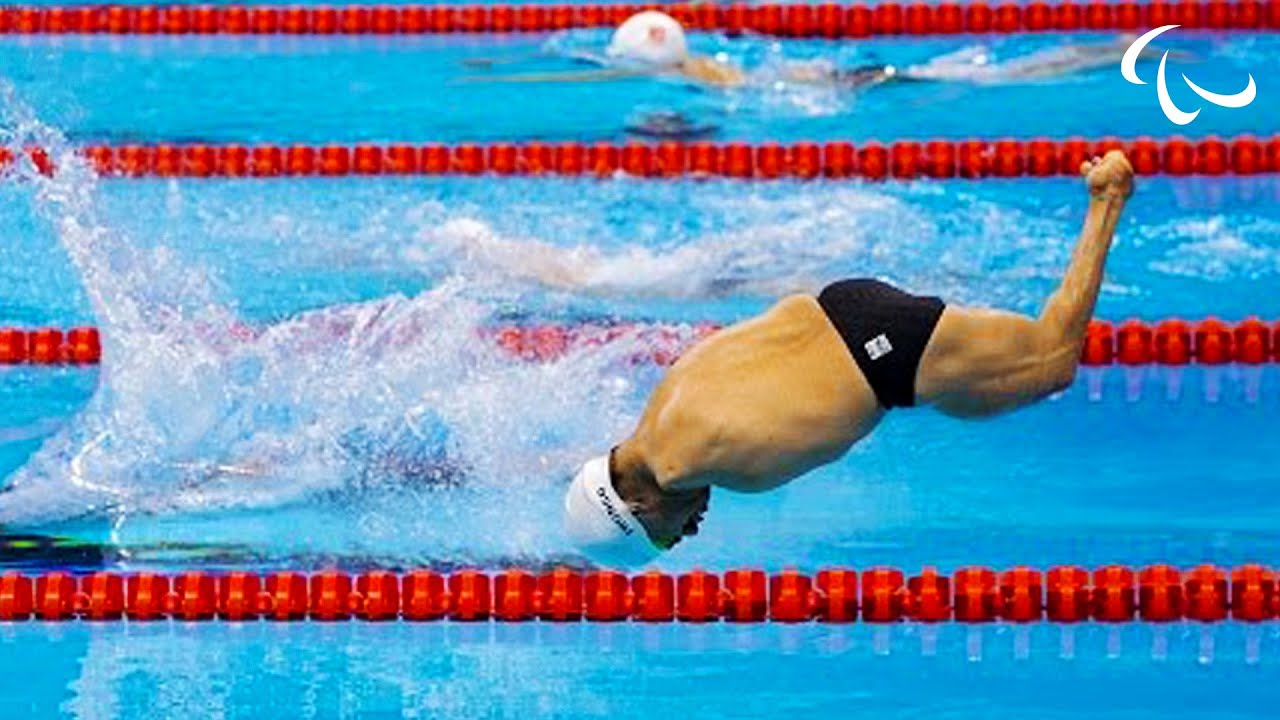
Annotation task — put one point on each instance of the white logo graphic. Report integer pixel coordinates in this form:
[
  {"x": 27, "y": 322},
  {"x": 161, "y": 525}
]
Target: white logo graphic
[
  {"x": 1175, "y": 114},
  {"x": 878, "y": 346}
]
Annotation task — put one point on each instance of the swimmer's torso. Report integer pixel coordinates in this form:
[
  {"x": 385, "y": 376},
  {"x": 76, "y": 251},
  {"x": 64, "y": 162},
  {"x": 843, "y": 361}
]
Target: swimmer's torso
[{"x": 758, "y": 404}]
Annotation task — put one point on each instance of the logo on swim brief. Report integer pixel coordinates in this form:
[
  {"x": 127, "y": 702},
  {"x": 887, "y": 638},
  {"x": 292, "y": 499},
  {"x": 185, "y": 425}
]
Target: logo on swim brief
[
  {"x": 878, "y": 346},
  {"x": 1176, "y": 114},
  {"x": 613, "y": 513}
]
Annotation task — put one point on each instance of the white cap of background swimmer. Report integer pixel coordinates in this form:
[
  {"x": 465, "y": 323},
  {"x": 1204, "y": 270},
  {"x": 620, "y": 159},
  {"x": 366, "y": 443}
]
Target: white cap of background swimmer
[
  {"x": 598, "y": 521},
  {"x": 649, "y": 38}
]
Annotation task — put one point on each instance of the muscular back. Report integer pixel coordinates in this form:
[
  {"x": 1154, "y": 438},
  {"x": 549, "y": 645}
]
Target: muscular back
[{"x": 757, "y": 404}]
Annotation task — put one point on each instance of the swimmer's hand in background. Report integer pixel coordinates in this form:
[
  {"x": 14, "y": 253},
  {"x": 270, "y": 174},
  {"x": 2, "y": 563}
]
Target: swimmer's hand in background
[
  {"x": 1109, "y": 177},
  {"x": 576, "y": 57}
]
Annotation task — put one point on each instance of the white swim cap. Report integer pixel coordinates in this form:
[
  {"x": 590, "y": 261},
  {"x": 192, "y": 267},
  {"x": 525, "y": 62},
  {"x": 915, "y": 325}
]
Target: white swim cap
[
  {"x": 599, "y": 522},
  {"x": 650, "y": 38}
]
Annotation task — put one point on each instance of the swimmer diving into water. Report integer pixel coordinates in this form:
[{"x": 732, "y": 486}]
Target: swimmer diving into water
[
  {"x": 652, "y": 43},
  {"x": 760, "y": 403}
]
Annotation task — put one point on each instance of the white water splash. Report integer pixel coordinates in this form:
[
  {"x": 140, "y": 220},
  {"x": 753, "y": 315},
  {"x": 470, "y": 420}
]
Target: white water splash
[
  {"x": 198, "y": 411},
  {"x": 373, "y": 404}
]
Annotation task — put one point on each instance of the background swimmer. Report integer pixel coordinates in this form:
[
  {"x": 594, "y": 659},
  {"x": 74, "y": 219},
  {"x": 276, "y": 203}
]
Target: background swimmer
[{"x": 653, "y": 44}]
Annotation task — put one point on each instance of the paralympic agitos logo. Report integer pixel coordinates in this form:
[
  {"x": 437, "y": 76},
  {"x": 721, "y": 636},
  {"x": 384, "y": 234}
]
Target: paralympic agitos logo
[{"x": 1176, "y": 114}]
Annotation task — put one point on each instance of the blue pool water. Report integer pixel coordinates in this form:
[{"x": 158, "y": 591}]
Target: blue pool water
[
  {"x": 429, "y": 89},
  {"x": 366, "y": 295}
]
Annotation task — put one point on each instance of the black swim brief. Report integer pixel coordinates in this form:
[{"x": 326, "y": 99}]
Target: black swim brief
[{"x": 886, "y": 330}]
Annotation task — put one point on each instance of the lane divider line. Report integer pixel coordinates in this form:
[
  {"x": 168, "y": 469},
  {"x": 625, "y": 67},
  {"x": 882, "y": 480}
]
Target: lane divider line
[
  {"x": 869, "y": 160},
  {"x": 826, "y": 20},
  {"x": 1063, "y": 594},
  {"x": 1134, "y": 342}
]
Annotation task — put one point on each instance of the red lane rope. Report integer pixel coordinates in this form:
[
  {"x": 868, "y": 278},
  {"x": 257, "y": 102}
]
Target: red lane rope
[
  {"x": 870, "y": 160},
  {"x": 827, "y": 20},
  {"x": 1062, "y": 594},
  {"x": 1134, "y": 342}
]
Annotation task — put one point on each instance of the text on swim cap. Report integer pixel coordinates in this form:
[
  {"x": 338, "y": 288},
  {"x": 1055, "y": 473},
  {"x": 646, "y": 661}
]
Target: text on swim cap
[{"x": 613, "y": 513}]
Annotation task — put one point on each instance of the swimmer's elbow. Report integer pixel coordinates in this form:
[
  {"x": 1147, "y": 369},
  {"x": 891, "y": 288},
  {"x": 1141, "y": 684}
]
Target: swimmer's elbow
[
  {"x": 1056, "y": 353},
  {"x": 1060, "y": 370},
  {"x": 1062, "y": 378}
]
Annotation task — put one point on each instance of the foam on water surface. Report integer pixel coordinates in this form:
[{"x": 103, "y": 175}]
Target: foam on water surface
[{"x": 197, "y": 411}]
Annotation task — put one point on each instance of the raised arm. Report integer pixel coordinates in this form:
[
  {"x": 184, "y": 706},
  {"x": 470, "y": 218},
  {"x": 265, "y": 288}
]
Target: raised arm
[
  {"x": 982, "y": 362},
  {"x": 1068, "y": 310}
]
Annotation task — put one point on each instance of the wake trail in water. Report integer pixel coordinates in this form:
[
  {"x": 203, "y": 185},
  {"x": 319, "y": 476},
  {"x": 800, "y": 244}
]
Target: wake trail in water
[
  {"x": 198, "y": 411},
  {"x": 771, "y": 246},
  {"x": 768, "y": 260},
  {"x": 1216, "y": 248}
]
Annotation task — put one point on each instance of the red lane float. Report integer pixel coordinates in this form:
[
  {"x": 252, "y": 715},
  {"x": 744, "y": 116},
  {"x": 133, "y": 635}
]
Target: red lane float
[
  {"x": 1113, "y": 599},
  {"x": 1178, "y": 342},
  {"x": 240, "y": 596},
  {"x": 1167, "y": 342},
  {"x": 970, "y": 595},
  {"x": 827, "y": 20},
  {"x": 836, "y": 595},
  {"x": 869, "y": 160},
  {"x": 50, "y": 346},
  {"x": 654, "y": 597},
  {"x": 1021, "y": 595},
  {"x": 607, "y": 596}
]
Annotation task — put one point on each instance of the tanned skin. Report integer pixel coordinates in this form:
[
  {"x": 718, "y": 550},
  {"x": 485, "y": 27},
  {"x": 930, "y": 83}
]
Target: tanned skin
[{"x": 760, "y": 403}]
